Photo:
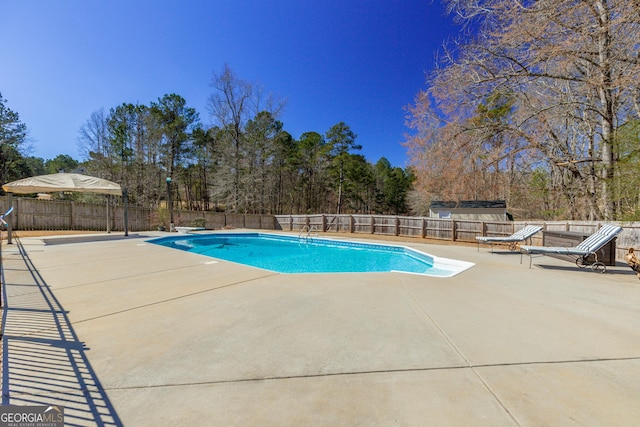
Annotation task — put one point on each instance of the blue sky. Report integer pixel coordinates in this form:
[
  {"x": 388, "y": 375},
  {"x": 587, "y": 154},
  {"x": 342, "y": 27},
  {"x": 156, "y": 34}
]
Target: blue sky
[{"x": 357, "y": 61}]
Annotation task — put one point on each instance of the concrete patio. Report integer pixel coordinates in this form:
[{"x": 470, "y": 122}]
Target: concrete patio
[{"x": 123, "y": 332}]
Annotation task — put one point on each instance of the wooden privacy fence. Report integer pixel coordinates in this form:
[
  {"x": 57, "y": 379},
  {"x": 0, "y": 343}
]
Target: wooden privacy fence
[
  {"x": 219, "y": 220},
  {"x": 33, "y": 214}
]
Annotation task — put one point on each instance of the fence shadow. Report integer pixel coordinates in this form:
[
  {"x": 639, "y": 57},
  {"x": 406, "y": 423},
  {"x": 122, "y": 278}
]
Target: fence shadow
[{"x": 43, "y": 361}]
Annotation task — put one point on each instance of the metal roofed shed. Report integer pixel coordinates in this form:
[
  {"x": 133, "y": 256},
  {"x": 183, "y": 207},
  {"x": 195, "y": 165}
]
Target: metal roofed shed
[{"x": 478, "y": 210}]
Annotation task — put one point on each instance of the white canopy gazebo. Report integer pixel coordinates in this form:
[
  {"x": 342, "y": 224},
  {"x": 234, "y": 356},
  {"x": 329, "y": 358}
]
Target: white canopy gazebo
[{"x": 65, "y": 182}]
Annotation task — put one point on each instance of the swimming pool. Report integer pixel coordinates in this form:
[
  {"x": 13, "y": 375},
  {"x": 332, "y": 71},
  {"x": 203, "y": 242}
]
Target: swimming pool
[{"x": 291, "y": 254}]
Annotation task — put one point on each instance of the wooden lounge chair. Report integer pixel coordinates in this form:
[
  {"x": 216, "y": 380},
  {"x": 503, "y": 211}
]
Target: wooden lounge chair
[
  {"x": 521, "y": 235},
  {"x": 588, "y": 247}
]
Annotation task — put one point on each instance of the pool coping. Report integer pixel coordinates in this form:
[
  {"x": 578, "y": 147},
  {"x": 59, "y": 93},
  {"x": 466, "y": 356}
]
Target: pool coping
[{"x": 453, "y": 266}]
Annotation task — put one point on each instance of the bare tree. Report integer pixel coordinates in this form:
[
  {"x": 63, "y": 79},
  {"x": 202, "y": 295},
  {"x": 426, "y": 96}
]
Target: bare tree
[
  {"x": 93, "y": 136},
  {"x": 571, "y": 69},
  {"x": 233, "y": 103}
]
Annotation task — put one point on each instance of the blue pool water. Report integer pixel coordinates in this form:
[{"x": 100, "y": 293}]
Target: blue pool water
[{"x": 289, "y": 254}]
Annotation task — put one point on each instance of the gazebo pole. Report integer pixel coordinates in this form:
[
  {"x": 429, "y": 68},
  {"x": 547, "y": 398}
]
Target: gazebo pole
[
  {"x": 10, "y": 226},
  {"x": 108, "y": 218},
  {"x": 125, "y": 200}
]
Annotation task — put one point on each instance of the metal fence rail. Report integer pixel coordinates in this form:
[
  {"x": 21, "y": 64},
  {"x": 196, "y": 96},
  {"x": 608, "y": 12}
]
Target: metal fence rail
[{"x": 447, "y": 229}]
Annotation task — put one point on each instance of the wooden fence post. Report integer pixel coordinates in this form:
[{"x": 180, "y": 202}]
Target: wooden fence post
[
  {"x": 397, "y": 226},
  {"x": 373, "y": 225},
  {"x": 453, "y": 230},
  {"x": 424, "y": 228},
  {"x": 72, "y": 213}
]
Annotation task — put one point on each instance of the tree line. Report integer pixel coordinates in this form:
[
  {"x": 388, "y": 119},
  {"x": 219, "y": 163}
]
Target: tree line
[
  {"x": 246, "y": 162},
  {"x": 537, "y": 103}
]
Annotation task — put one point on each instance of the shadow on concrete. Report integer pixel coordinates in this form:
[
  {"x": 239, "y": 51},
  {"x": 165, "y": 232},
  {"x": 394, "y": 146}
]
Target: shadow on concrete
[
  {"x": 618, "y": 269},
  {"x": 43, "y": 362},
  {"x": 504, "y": 252},
  {"x": 88, "y": 238}
]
